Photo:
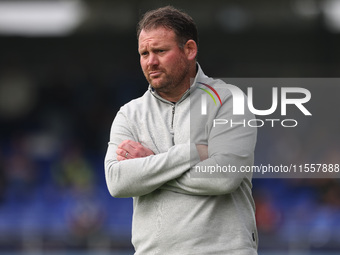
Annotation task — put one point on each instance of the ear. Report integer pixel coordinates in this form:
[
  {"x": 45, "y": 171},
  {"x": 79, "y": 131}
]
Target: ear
[{"x": 190, "y": 49}]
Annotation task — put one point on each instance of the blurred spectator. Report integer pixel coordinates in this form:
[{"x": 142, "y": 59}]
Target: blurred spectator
[
  {"x": 74, "y": 171},
  {"x": 21, "y": 172},
  {"x": 268, "y": 217}
]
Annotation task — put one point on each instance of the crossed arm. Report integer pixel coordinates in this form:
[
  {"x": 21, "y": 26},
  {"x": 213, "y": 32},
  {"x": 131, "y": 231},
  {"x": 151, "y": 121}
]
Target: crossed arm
[
  {"x": 185, "y": 184},
  {"x": 132, "y": 170},
  {"x": 129, "y": 149}
]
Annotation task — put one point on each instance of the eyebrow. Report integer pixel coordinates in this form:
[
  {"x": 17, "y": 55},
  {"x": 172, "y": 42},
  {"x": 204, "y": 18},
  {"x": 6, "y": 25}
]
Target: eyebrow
[{"x": 153, "y": 46}]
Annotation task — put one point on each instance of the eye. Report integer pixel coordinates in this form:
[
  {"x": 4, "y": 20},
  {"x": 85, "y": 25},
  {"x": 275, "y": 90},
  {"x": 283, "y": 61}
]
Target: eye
[{"x": 144, "y": 53}]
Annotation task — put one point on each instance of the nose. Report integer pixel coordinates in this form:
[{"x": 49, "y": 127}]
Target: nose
[{"x": 152, "y": 60}]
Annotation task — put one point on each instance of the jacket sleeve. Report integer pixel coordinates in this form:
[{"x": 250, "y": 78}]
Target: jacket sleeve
[
  {"x": 140, "y": 176},
  {"x": 228, "y": 146}
]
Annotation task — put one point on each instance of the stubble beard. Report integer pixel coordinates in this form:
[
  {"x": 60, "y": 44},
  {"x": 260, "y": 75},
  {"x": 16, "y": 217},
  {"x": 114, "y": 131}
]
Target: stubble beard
[{"x": 169, "y": 83}]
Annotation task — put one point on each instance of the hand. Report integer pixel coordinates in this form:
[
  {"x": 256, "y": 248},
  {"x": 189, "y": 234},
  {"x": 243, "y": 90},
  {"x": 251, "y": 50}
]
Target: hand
[
  {"x": 202, "y": 151},
  {"x": 130, "y": 149}
]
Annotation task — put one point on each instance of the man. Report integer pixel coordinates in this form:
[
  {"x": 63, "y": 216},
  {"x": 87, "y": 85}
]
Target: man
[{"x": 154, "y": 147}]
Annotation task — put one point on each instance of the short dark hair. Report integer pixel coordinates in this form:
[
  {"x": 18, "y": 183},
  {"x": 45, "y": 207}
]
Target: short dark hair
[{"x": 169, "y": 17}]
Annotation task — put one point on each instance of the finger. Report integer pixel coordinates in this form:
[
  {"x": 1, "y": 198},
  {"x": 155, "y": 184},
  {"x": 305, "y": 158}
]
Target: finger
[
  {"x": 120, "y": 158},
  {"x": 121, "y": 152},
  {"x": 143, "y": 151},
  {"x": 134, "y": 149},
  {"x": 128, "y": 144}
]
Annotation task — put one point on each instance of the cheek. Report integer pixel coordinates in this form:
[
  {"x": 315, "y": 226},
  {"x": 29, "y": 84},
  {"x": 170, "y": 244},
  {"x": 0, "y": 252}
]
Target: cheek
[
  {"x": 172, "y": 61},
  {"x": 177, "y": 63}
]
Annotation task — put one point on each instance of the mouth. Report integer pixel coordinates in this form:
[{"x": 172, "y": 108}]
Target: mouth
[{"x": 154, "y": 74}]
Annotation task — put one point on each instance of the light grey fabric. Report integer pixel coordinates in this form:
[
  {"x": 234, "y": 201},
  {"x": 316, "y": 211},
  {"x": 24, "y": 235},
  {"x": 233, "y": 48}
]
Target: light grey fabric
[{"x": 173, "y": 212}]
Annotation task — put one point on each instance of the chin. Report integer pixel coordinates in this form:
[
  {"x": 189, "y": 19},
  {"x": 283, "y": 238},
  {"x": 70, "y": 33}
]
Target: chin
[{"x": 156, "y": 85}]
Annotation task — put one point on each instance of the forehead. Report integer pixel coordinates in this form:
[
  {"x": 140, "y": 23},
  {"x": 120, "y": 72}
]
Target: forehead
[{"x": 156, "y": 36}]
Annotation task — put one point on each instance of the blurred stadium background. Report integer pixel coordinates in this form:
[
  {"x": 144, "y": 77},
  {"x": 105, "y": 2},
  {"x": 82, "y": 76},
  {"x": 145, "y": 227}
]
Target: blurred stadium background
[{"x": 67, "y": 66}]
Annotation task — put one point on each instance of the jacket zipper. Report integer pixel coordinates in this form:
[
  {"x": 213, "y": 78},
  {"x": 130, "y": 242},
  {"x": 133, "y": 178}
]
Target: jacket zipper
[
  {"x": 173, "y": 116},
  {"x": 173, "y": 105}
]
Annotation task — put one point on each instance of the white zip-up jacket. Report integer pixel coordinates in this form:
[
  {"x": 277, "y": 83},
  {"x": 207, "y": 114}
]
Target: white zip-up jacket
[{"x": 173, "y": 213}]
